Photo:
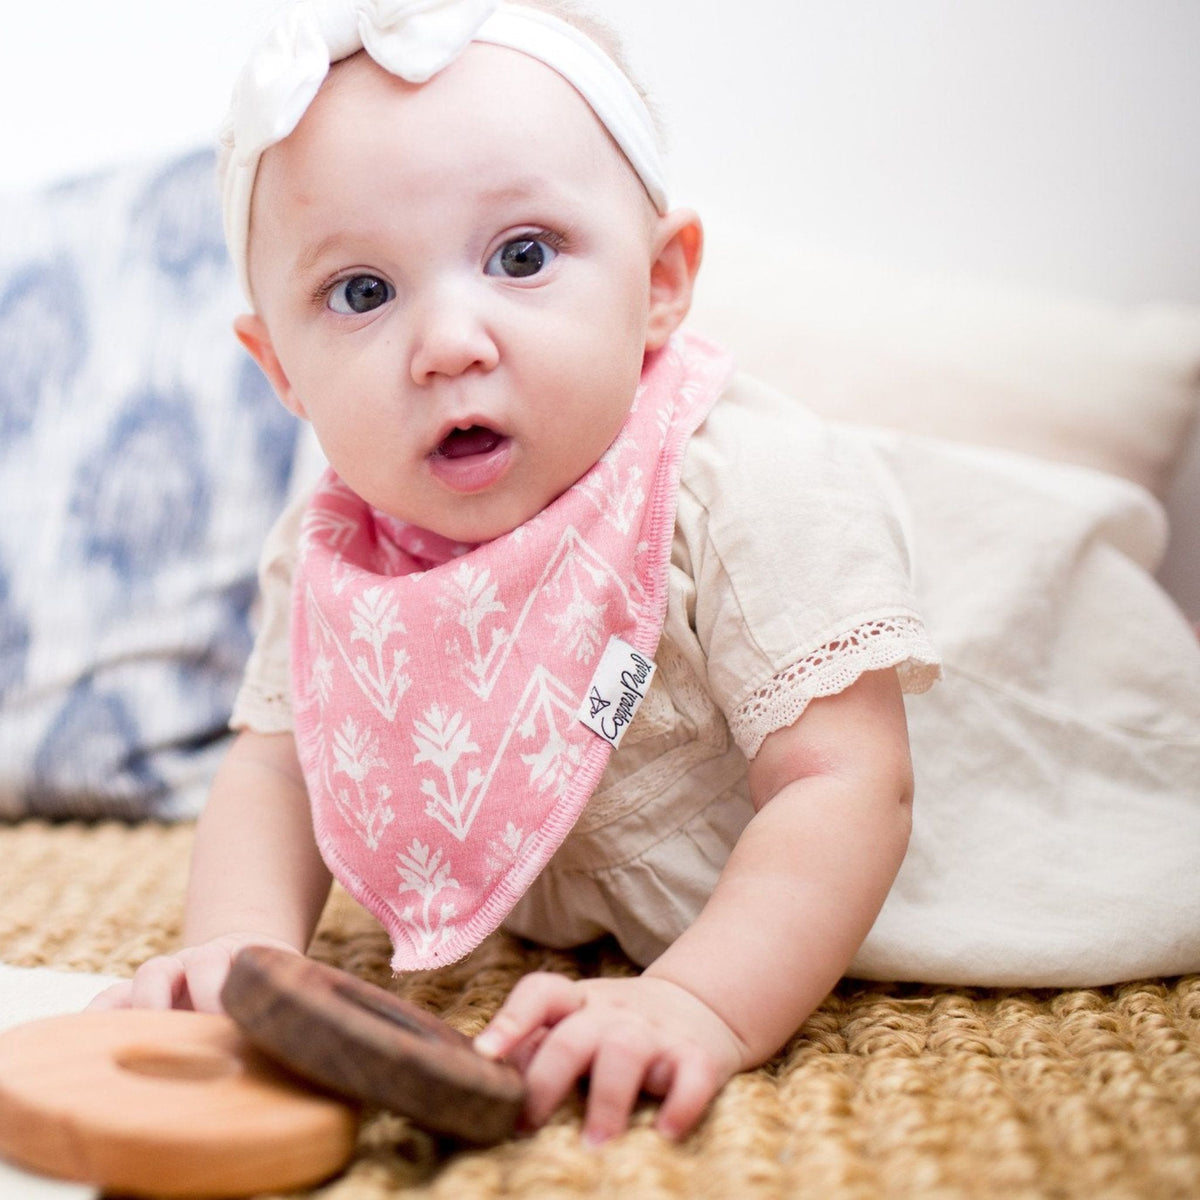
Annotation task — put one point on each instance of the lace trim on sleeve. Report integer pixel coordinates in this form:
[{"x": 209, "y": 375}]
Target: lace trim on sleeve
[{"x": 899, "y": 642}]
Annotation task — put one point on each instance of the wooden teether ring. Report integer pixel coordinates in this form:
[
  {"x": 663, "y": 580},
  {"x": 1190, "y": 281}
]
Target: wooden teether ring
[
  {"x": 360, "y": 1040},
  {"x": 163, "y": 1104}
]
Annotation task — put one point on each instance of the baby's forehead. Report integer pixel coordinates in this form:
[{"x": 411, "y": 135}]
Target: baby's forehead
[
  {"x": 490, "y": 98},
  {"x": 483, "y": 81}
]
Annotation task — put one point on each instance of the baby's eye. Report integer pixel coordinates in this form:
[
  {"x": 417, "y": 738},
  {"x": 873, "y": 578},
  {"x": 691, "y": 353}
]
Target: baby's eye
[
  {"x": 359, "y": 294},
  {"x": 520, "y": 258}
]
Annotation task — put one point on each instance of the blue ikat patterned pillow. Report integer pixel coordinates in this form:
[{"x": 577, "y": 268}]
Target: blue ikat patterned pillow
[{"x": 142, "y": 460}]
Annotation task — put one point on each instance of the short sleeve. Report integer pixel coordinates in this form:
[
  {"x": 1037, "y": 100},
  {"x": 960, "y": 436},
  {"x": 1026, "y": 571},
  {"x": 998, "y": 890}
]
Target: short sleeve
[
  {"x": 263, "y": 702},
  {"x": 802, "y": 564}
]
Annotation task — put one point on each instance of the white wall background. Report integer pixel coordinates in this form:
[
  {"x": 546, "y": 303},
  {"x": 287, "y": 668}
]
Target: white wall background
[{"x": 1047, "y": 143}]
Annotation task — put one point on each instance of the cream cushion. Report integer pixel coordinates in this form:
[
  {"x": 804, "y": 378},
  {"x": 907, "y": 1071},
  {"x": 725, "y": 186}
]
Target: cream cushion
[{"x": 1099, "y": 385}]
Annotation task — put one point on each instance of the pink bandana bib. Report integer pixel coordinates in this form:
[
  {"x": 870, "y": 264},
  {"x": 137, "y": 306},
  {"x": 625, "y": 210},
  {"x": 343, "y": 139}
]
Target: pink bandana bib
[{"x": 440, "y": 691}]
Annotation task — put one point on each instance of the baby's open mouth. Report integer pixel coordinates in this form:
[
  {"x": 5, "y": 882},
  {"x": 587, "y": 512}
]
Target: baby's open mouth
[
  {"x": 463, "y": 443},
  {"x": 471, "y": 459}
]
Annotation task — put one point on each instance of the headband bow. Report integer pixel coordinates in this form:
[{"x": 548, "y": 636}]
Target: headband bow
[{"x": 413, "y": 39}]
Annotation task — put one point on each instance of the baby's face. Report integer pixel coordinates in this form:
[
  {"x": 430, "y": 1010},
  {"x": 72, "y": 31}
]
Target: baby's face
[{"x": 454, "y": 281}]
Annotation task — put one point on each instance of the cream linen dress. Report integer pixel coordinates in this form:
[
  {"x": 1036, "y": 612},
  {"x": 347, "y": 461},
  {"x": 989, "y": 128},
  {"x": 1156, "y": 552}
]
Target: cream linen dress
[{"x": 1056, "y": 835}]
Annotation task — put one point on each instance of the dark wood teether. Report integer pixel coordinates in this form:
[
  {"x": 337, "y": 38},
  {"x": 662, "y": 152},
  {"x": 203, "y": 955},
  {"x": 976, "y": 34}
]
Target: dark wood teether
[{"x": 361, "y": 1041}]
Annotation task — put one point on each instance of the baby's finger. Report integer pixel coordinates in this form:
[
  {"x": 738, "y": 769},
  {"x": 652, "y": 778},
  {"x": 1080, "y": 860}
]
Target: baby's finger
[
  {"x": 206, "y": 975},
  {"x": 563, "y": 1058},
  {"x": 157, "y": 983},
  {"x": 695, "y": 1083},
  {"x": 521, "y": 1055},
  {"x": 116, "y": 996},
  {"x": 620, "y": 1065},
  {"x": 538, "y": 1000}
]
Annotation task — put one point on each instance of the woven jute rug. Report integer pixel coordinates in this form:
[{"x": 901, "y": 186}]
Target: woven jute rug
[{"x": 888, "y": 1091}]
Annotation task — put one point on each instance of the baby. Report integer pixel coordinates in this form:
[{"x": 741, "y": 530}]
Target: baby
[
  {"x": 461, "y": 284},
  {"x": 581, "y": 633}
]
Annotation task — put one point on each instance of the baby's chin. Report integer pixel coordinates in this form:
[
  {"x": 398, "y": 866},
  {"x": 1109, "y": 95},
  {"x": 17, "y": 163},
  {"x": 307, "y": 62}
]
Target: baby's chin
[
  {"x": 473, "y": 517},
  {"x": 474, "y": 520}
]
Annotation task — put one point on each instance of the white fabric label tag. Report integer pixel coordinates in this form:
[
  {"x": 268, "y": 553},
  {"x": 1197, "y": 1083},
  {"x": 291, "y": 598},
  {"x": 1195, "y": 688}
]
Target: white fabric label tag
[{"x": 618, "y": 688}]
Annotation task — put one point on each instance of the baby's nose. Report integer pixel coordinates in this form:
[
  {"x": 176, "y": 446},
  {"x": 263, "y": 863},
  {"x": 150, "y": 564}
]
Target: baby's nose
[{"x": 450, "y": 337}]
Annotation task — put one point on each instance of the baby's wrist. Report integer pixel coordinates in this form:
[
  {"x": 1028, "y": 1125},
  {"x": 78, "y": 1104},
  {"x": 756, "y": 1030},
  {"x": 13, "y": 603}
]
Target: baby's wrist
[{"x": 742, "y": 1049}]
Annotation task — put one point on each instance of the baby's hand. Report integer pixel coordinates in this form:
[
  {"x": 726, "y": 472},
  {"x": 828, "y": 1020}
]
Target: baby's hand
[
  {"x": 189, "y": 979},
  {"x": 629, "y": 1035}
]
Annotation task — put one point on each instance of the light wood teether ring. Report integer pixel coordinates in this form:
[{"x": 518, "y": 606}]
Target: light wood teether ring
[
  {"x": 361, "y": 1040},
  {"x": 163, "y": 1104}
]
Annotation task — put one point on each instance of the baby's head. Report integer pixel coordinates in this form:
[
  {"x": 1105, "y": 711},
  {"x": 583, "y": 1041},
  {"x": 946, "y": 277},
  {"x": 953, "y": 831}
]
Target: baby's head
[{"x": 455, "y": 280}]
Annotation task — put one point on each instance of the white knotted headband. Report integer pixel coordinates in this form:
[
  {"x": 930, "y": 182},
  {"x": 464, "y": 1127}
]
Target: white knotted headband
[{"x": 413, "y": 39}]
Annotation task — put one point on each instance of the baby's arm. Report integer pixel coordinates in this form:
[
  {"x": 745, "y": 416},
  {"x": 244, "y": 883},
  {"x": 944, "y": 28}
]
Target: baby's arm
[
  {"x": 256, "y": 878},
  {"x": 797, "y": 897}
]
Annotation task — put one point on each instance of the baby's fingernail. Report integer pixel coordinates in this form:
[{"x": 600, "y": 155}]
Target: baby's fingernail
[
  {"x": 594, "y": 1137},
  {"x": 488, "y": 1044}
]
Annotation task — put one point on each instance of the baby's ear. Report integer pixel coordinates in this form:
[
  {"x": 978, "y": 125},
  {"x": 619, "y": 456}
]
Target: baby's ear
[
  {"x": 252, "y": 332},
  {"x": 679, "y": 243}
]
